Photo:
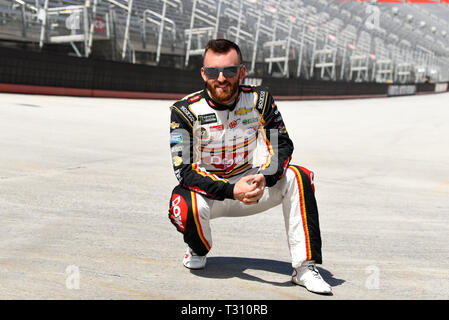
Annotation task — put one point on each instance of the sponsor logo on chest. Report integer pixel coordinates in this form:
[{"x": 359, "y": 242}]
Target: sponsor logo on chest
[
  {"x": 249, "y": 121},
  {"x": 242, "y": 111},
  {"x": 207, "y": 118},
  {"x": 233, "y": 124},
  {"x": 226, "y": 160},
  {"x": 216, "y": 128}
]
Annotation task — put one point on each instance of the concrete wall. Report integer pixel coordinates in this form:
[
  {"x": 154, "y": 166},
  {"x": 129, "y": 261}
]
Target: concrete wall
[{"x": 50, "y": 73}]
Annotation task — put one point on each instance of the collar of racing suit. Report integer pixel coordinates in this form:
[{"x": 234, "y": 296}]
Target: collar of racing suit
[{"x": 218, "y": 106}]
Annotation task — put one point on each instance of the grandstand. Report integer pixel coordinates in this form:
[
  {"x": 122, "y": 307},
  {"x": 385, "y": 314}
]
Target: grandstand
[{"x": 307, "y": 39}]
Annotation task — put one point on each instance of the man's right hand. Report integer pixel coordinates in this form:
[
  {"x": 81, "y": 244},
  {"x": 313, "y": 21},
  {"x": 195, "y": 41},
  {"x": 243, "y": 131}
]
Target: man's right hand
[{"x": 243, "y": 186}]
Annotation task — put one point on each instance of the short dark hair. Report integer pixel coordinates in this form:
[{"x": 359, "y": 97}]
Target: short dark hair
[{"x": 222, "y": 46}]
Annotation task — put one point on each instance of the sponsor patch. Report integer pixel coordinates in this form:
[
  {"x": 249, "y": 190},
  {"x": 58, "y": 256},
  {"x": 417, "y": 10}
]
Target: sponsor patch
[
  {"x": 175, "y": 137},
  {"x": 226, "y": 161},
  {"x": 177, "y": 161},
  {"x": 178, "y": 211},
  {"x": 194, "y": 98},
  {"x": 174, "y": 125},
  {"x": 216, "y": 128},
  {"x": 178, "y": 175},
  {"x": 261, "y": 103},
  {"x": 187, "y": 113},
  {"x": 207, "y": 118},
  {"x": 251, "y": 130},
  {"x": 233, "y": 124},
  {"x": 176, "y": 148},
  {"x": 278, "y": 119},
  {"x": 242, "y": 111},
  {"x": 203, "y": 134},
  {"x": 246, "y": 89},
  {"x": 249, "y": 121},
  {"x": 282, "y": 129}
]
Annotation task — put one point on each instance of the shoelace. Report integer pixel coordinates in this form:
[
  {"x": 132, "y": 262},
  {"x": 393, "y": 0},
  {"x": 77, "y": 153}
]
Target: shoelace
[
  {"x": 194, "y": 254},
  {"x": 314, "y": 270}
]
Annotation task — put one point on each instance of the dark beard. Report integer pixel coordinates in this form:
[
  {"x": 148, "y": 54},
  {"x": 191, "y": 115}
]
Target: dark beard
[{"x": 225, "y": 97}]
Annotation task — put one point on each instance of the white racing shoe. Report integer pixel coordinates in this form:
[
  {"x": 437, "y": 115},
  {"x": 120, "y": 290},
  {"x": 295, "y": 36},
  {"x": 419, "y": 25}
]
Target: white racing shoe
[
  {"x": 307, "y": 275},
  {"x": 193, "y": 261}
]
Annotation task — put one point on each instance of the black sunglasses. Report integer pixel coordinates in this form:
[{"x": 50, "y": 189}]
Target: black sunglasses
[{"x": 228, "y": 72}]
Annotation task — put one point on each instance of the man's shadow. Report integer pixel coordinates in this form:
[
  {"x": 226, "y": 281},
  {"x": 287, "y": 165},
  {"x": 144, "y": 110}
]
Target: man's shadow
[{"x": 235, "y": 267}]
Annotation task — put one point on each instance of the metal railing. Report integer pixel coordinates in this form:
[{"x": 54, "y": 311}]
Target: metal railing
[{"x": 411, "y": 44}]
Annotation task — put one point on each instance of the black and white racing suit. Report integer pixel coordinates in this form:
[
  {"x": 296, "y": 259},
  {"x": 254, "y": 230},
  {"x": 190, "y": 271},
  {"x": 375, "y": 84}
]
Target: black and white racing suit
[{"x": 214, "y": 145}]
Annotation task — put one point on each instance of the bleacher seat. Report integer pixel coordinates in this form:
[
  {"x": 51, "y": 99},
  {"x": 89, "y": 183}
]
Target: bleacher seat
[{"x": 317, "y": 37}]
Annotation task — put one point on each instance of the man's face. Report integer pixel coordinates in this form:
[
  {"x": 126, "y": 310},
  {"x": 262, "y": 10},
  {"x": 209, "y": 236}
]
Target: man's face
[{"x": 222, "y": 89}]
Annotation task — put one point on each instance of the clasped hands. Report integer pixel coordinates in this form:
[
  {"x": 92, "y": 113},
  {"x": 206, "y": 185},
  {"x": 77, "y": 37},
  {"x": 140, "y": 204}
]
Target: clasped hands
[{"x": 249, "y": 189}]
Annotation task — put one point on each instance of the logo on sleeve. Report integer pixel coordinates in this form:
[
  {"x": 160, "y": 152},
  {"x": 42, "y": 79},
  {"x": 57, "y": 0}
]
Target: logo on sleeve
[
  {"x": 282, "y": 129},
  {"x": 261, "y": 103},
  {"x": 187, "y": 113},
  {"x": 177, "y": 161},
  {"x": 175, "y": 137}
]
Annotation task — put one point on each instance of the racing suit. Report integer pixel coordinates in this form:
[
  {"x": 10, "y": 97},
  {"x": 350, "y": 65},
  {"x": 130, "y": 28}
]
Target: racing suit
[{"x": 214, "y": 145}]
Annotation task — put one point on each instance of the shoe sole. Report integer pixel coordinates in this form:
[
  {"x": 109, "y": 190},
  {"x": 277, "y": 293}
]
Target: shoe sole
[
  {"x": 323, "y": 293},
  {"x": 199, "y": 268}
]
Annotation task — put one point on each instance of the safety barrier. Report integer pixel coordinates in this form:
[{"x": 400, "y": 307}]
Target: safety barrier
[{"x": 27, "y": 71}]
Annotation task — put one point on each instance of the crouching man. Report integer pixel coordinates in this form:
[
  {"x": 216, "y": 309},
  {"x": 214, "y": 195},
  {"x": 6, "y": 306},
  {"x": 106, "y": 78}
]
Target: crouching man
[{"x": 217, "y": 137}]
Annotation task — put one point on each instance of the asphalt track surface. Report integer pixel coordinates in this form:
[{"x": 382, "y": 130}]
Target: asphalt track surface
[{"x": 85, "y": 186}]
